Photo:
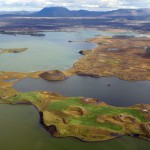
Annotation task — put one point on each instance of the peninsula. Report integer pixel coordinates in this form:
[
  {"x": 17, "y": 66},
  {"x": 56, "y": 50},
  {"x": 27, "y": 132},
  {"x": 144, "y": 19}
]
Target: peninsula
[{"x": 125, "y": 57}]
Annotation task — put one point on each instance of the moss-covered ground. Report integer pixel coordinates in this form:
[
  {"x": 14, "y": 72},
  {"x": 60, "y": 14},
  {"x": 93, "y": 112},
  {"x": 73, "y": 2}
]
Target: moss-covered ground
[{"x": 87, "y": 120}]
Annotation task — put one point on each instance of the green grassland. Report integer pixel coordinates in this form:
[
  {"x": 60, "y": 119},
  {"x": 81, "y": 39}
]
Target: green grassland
[{"x": 73, "y": 116}]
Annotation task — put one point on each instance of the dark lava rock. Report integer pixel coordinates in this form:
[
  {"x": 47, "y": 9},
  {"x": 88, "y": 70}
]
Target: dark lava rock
[
  {"x": 81, "y": 52},
  {"x": 88, "y": 74},
  {"x": 53, "y": 75},
  {"x": 85, "y": 52},
  {"x": 51, "y": 129},
  {"x": 115, "y": 134}
]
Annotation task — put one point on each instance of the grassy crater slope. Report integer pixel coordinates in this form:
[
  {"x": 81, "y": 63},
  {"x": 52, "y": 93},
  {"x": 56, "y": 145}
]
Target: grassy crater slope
[{"x": 84, "y": 118}]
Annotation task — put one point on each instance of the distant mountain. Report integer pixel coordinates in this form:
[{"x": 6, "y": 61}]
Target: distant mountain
[
  {"x": 64, "y": 12},
  {"x": 15, "y": 12},
  {"x": 129, "y": 12},
  {"x": 54, "y": 12}
]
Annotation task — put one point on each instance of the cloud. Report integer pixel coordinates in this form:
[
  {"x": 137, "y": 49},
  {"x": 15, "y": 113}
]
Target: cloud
[{"x": 73, "y": 4}]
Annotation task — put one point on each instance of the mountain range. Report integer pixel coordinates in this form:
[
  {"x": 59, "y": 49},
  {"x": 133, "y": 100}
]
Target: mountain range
[{"x": 64, "y": 12}]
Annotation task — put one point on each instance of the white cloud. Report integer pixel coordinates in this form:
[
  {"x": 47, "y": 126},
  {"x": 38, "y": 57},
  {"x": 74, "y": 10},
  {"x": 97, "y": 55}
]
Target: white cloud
[{"x": 73, "y": 4}]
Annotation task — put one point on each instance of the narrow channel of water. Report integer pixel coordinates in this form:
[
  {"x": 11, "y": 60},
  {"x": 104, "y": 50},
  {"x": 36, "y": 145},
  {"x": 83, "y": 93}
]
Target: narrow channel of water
[
  {"x": 20, "y": 130},
  {"x": 120, "y": 93}
]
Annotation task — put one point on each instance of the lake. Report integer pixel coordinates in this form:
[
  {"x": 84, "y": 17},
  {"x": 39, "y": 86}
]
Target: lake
[
  {"x": 120, "y": 93},
  {"x": 19, "y": 126}
]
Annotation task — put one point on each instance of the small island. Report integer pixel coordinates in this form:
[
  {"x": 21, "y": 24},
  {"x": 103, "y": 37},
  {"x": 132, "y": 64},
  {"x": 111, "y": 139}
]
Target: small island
[{"x": 12, "y": 50}]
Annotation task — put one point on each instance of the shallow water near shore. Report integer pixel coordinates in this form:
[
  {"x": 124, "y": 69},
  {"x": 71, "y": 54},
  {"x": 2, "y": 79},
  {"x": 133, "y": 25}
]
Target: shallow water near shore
[
  {"x": 118, "y": 93},
  {"x": 20, "y": 130}
]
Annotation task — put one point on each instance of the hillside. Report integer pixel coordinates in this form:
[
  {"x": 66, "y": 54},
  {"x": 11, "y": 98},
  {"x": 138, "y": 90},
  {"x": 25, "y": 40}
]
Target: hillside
[{"x": 64, "y": 12}]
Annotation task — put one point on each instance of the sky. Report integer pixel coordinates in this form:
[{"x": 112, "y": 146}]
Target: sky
[{"x": 97, "y": 5}]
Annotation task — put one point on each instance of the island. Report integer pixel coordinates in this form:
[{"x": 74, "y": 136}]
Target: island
[{"x": 12, "y": 50}]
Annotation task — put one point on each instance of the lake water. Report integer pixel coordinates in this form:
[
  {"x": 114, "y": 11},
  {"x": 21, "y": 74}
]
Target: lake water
[
  {"x": 44, "y": 53},
  {"x": 120, "y": 93},
  {"x": 20, "y": 130}
]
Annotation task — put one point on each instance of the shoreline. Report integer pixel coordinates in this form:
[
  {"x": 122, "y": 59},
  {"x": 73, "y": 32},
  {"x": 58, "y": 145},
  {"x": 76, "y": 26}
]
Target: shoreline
[
  {"x": 54, "y": 128},
  {"x": 73, "y": 71},
  {"x": 40, "y": 33}
]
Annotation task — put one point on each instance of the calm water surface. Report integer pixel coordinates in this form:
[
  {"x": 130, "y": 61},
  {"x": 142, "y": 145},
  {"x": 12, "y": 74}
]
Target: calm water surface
[
  {"x": 47, "y": 53},
  {"x": 44, "y": 53},
  {"x": 120, "y": 93},
  {"x": 20, "y": 130}
]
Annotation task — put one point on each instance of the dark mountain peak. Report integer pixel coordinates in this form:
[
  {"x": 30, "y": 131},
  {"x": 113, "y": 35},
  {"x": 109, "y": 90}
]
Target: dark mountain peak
[
  {"x": 53, "y": 12},
  {"x": 55, "y": 9}
]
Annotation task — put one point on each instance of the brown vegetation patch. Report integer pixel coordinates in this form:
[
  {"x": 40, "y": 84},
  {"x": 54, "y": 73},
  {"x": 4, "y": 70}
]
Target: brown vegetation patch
[{"x": 53, "y": 75}]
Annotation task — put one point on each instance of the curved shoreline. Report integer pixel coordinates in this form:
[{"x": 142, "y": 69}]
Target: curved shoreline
[
  {"x": 41, "y": 121},
  {"x": 105, "y": 133},
  {"x": 101, "y": 62},
  {"x": 108, "y": 58}
]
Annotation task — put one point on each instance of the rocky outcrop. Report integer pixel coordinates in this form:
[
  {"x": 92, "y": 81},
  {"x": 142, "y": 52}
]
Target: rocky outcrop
[
  {"x": 146, "y": 128},
  {"x": 51, "y": 129},
  {"x": 87, "y": 74},
  {"x": 53, "y": 75},
  {"x": 85, "y": 52}
]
